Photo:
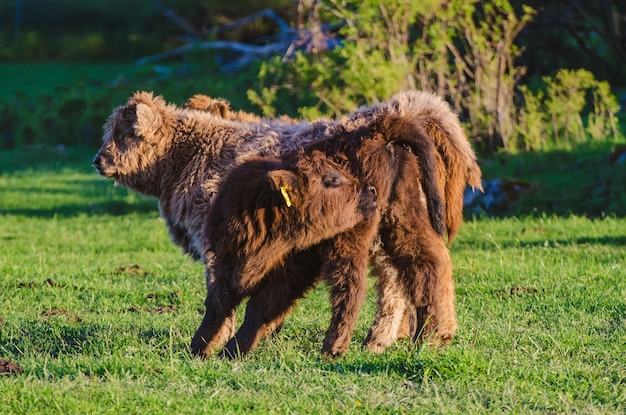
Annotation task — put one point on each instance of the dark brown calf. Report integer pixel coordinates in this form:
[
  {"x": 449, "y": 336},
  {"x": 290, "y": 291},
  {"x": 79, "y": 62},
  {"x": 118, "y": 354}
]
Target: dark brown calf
[
  {"x": 181, "y": 155},
  {"x": 394, "y": 155},
  {"x": 265, "y": 210}
]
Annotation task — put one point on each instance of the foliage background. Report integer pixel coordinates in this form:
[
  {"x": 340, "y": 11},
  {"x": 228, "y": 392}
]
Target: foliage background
[{"x": 411, "y": 47}]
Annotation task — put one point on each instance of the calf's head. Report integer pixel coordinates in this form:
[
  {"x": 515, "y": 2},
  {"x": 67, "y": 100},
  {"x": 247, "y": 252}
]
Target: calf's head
[
  {"x": 294, "y": 204},
  {"x": 324, "y": 192},
  {"x": 136, "y": 137}
]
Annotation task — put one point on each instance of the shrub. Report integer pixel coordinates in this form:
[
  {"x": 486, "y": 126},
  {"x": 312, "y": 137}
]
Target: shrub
[
  {"x": 555, "y": 116},
  {"x": 462, "y": 50}
]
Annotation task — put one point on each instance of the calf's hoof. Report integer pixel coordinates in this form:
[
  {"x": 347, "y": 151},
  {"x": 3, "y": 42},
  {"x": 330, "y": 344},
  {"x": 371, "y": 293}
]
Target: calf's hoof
[
  {"x": 333, "y": 351},
  {"x": 373, "y": 346},
  {"x": 199, "y": 347}
]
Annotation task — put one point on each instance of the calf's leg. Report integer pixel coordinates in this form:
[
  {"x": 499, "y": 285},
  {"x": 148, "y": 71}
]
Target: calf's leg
[
  {"x": 273, "y": 300},
  {"x": 345, "y": 270},
  {"x": 218, "y": 323},
  {"x": 425, "y": 273},
  {"x": 392, "y": 305}
]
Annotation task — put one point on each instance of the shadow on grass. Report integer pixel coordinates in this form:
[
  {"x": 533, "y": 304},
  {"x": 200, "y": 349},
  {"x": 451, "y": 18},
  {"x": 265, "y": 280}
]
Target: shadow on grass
[
  {"x": 582, "y": 181},
  {"x": 46, "y": 183},
  {"x": 46, "y": 159},
  {"x": 102, "y": 208},
  {"x": 69, "y": 197},
  {"x": 406, "y": 364},
  {"x": 59, "y": 332},
  {"x": 604, "y": 240}
]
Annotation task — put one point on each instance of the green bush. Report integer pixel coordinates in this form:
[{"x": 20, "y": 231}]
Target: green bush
[
  {"x": 462, "y": 50},
  {"x": 555, "y": 115}
]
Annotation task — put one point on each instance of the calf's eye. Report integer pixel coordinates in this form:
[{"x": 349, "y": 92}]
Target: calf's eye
[{"x": 332, "y": 179}]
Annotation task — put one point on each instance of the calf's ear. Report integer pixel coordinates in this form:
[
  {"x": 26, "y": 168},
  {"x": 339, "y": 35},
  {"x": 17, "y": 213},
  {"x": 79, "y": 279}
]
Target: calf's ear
[
  {"x": 215, "y": 106},
  {"x": 220, "y": 108},
  {"x": 121, "y": 122},
  {"x": 149, "y": 120},
  {"x": 284, "y": 182}
]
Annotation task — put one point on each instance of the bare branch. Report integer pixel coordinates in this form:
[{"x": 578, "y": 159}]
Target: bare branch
[
  {"x": 256, "y": 51},
  {"x": 610, "y": 39},
  {"x": 269, "y": 13}
]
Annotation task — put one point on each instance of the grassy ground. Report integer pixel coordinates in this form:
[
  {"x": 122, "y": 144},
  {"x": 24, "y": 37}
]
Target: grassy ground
[
  {"x": 36, "y": 78},
  {"x": 98, "y": 308},
  {"x": 581, "y": 181},
  {"x": 73, "y": 100}
]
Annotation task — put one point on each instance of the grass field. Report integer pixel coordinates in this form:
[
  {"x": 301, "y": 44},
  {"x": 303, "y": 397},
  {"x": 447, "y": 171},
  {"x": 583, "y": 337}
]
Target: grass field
[
  {"x": 44, "y": 78},
  {"x": 98, "y": 308},
  {"x": 35, "y": 78}
]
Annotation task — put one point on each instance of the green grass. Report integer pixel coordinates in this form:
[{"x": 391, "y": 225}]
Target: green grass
[
  {"x": 174, "y": 80},
  {"x": 73, "y": 100},
  {"x": 35, "y": 78},
  {"x": 98, "y": 308}
]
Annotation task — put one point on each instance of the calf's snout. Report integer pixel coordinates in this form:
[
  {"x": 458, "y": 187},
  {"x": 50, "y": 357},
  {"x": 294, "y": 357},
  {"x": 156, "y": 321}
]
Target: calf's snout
[{"x": 368, "y": 203}]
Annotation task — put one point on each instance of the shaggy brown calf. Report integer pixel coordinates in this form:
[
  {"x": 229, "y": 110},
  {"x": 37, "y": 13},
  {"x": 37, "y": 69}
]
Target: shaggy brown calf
[
  {"x": 265, "y": 210},
  {"x": 456, "y": 167},
  {"x": 381, "y": 154},
  {"x": 180, "y": 156}
]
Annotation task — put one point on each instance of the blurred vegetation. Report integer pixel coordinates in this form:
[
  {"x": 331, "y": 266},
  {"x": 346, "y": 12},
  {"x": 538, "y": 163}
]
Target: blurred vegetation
[
  {"x": 462, "y": 50},
  {"x": 69, "y": 30},
  {"x": 514, "y": 91},
  {"x": 73, "y": 113},
  {"x": 553, "y": 116}
]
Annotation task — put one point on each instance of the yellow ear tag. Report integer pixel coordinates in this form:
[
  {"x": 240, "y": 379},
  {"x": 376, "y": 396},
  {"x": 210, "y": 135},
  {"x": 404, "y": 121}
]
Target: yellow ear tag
[{"x": 283, "y": 191}]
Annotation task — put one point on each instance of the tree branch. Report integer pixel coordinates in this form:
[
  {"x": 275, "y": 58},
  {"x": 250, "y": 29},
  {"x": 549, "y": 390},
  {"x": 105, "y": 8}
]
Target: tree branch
[
  {"x": 257, "y": 51},
  {"x": 269, "y": 13}
]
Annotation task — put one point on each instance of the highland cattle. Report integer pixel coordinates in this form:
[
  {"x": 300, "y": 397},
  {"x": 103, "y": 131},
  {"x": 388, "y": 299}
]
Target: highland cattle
[
  {"x": 379, "y": 154},
  {"x": 181, "y": 155}
]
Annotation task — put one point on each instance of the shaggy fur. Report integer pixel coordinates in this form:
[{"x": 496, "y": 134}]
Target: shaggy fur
[
  {"x": 180, "y": 156},
  {"x": 265, "y": 210},
  {"x": 378, "y": 154},
  {"x": 219, "y": 107},
  {"x": 456, "y": 167}
]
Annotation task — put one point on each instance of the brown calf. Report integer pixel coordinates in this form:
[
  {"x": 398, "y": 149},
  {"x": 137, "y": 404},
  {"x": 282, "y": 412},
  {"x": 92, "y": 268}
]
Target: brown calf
[
  {"x": 180, "y": 156},
  {"x": 395, "y": 156},
  {"x": 267, "y": 209}
]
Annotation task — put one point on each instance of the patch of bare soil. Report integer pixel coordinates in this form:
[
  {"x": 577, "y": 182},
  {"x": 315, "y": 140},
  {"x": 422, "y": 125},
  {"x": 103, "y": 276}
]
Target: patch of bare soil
[
  {"x": 134, "y": 270},
  {"x": 54, "y": 312},
  {"x": 9, "y": 368},
  {"x": 157, "y": 310},
  {"x": 163, "y": 309},
  {"x": 48, "y": 282},
  {"x": 171, "y": 296},
  {"x": 519, "y": 291}
]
